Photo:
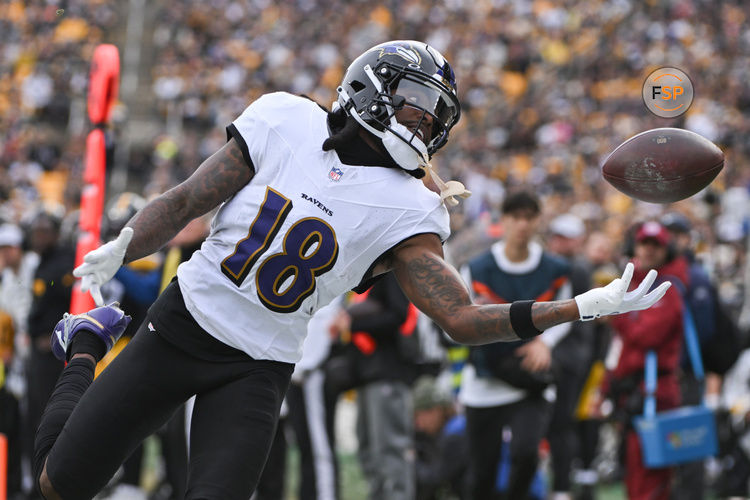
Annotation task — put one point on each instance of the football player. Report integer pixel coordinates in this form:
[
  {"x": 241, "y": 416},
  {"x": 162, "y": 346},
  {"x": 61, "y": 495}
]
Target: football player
[{"x": 313, "y": 203}]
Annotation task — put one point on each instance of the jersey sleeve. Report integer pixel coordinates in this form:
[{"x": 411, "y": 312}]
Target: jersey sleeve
[
  {"x": 436, "y": 221},
  {"x": 253, "y": 129}
]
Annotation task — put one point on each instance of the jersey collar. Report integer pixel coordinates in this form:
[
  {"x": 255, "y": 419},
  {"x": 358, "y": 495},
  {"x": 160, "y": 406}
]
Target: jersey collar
[{"x": 528, "y": 265}]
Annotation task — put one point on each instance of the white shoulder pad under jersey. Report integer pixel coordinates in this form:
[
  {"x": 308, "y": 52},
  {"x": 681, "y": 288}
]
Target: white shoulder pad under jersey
[{"x": 302, "y": 232}]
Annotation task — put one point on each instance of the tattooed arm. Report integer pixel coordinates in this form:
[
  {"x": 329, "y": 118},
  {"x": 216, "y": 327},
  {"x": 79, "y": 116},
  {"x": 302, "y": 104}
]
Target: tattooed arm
[
  {"x": 218, "y": 178},
  {"x": 436, "y": 288}
]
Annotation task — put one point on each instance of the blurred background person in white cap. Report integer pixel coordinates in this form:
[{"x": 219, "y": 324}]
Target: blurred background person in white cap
[
  {"x": 599, "y": 251},
  {"x": 15, "y": 300},
  {"x": 573, "y": 355},
  {"x": 17, "y": 278}
]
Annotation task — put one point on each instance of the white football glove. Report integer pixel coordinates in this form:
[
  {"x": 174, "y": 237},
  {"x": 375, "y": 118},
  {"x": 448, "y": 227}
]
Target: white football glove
[
  {"x": 615, "y": 298},
  {"x": 101, "y": 264}
]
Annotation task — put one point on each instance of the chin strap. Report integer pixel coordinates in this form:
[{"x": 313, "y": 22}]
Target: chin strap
[{"x": 448, "y": 190}]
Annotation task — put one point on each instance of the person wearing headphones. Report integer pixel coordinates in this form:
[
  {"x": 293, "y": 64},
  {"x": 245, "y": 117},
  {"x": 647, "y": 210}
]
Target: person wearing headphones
[{"x": 660, "y": 329}]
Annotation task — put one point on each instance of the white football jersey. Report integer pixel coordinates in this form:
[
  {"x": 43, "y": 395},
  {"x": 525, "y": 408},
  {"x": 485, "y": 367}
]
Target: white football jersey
[{"x": 303, "y": 231}]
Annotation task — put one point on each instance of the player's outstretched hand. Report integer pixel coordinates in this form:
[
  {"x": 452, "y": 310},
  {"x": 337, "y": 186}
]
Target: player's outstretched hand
[
  {"x": 101, "y": 264},
  {"x": 615, "y": 298}
]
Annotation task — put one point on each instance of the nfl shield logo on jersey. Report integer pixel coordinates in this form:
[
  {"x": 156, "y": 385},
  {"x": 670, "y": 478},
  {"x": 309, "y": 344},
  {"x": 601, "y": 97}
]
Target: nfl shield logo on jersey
[{"x": 335, "y": 174}]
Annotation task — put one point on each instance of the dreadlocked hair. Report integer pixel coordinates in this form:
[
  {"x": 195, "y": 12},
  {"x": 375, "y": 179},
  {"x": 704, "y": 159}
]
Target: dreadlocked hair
[{"x": 346, "y": 128}]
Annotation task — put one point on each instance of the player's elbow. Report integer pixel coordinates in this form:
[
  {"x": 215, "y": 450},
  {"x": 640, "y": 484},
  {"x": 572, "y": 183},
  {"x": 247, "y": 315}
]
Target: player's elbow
[
  {"x": 473, "y": 337},
  {"x": 455, "y": 335},
  {"x": 461, "y": 337},
  {"x": 460, "y": 332}
]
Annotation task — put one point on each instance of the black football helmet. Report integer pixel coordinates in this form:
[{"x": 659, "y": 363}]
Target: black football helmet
[{"x": 401, "y": 73}]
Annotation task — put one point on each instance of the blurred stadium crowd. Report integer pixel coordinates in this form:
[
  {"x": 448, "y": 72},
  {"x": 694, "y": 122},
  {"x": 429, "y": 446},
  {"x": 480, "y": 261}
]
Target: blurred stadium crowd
[{"x": 548, "y": 89}]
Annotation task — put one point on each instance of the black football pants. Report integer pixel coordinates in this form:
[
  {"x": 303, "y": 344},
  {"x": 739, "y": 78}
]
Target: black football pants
[
  {"x": 233, "y": 424},
  {"x": 527, "y": 420}
]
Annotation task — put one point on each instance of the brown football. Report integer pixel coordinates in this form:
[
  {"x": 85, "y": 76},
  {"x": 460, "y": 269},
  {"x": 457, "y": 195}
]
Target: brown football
[{"x": 663, "y": 165}]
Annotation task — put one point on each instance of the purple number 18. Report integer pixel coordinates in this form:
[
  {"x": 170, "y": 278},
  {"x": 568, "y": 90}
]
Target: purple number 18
[{"x": 283, "y": 280}]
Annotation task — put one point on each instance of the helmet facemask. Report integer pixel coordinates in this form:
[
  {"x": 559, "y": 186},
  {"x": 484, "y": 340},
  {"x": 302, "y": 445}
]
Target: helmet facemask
[
  {"x": 432, "y": 111},
  {"x": 413, "y": 81}
]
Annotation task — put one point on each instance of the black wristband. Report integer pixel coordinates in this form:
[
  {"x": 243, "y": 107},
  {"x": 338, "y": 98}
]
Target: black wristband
[{"x": 520, "y": 319}]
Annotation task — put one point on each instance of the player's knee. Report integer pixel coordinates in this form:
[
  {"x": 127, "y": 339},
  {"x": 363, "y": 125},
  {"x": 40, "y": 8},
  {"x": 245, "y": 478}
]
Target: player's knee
[{"x": 45, "y": 486}]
